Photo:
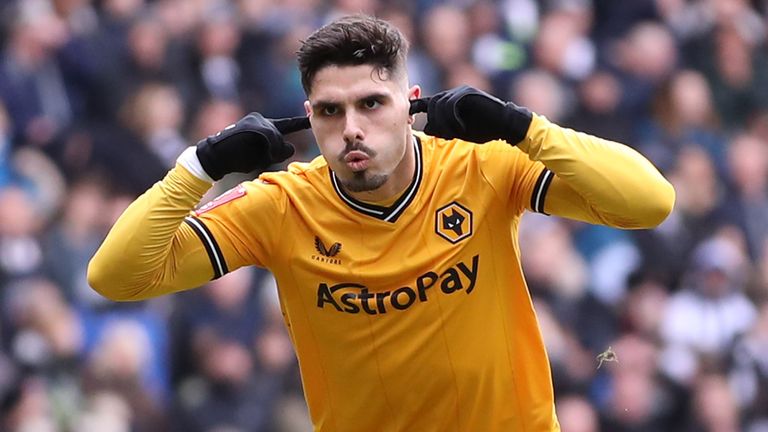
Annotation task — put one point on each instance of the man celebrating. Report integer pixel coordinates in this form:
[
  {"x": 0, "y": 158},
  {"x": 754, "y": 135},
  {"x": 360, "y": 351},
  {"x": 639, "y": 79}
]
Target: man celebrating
[{"x": 396, "y": 251}]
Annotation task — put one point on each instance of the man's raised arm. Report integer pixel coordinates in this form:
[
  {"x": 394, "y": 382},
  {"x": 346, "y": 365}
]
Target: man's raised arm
[
  {"x": 584, "y": 177},
  {"x": 150, "y": 251}
]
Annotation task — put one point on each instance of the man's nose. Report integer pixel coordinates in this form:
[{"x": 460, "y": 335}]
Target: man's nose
[{"x": 353, "y": 131}]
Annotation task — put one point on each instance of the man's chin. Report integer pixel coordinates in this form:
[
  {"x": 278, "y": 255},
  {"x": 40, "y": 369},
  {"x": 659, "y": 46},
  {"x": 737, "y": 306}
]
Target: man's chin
[{"x": 362, "y": 181}]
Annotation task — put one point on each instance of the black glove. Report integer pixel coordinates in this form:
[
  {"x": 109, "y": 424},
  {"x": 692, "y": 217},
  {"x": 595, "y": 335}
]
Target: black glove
[
  {"x": 254, "y": 142},
  {"x": 473, "y": 115}
]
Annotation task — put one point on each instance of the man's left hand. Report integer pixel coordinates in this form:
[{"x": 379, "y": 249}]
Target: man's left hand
[{"x": 473, "y": 115}]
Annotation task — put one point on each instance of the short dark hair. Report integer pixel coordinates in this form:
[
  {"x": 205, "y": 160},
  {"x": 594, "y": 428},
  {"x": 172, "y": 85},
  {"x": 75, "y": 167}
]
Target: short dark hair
[{"x": 350, "y": 41}]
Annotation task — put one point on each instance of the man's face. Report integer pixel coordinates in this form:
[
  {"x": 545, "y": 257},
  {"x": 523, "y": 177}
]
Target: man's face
[{"x": 362, "y": 126}]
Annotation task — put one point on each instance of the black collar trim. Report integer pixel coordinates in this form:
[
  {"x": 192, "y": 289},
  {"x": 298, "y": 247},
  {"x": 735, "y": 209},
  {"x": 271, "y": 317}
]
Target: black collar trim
[{"x": 393, "y": 212}]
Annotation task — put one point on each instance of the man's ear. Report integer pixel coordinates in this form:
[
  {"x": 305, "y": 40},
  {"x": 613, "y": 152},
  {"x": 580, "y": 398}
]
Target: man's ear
[
  {"x": 307, "y": 108},
  {"x": 413, "y": 93}
]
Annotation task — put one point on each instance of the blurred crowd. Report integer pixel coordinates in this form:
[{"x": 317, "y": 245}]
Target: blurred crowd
[{"x": 98, "y": 98}]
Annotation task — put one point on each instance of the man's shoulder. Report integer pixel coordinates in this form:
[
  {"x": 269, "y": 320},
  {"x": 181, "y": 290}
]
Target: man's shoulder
[
  {"x": 456, "y": 149},
  {"x": 318, "y": 163},
  {"x": 297, "y": 171},
  {"x": 434, "y": 141},
  {"x": 297, "y": 175}
]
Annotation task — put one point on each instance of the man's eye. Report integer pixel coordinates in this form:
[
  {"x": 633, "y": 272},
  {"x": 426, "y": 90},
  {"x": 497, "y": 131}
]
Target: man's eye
[
  {"x": 371, "y": 103},
  {"x": 329, "y": 111}
]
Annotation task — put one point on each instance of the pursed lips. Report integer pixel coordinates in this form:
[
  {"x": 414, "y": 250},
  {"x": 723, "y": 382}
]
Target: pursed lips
[
  {"x": 357, "y": 156},
  {"x": 356, "y": 160}
]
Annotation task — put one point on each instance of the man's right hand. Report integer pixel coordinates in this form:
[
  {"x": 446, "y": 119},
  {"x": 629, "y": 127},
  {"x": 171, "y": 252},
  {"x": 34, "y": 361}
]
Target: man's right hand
[{"x": 252, "y": 143}]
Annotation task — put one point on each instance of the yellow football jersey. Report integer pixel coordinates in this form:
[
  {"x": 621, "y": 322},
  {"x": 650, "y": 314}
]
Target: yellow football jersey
[{"x": 411, "y": 316}]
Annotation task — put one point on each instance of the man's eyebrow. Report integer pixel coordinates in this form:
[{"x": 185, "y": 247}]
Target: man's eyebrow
[
  {"x": 375, "y": 95},
  {"x": 324, "y": 103},
  {"x": 320, "y": 104}
]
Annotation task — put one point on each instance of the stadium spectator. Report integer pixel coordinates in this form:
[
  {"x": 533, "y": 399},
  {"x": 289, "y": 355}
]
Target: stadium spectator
[{"x": 706, "y": 316}]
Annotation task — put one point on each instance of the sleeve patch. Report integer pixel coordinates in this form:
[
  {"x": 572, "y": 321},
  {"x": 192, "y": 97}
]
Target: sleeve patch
[{"x": 230, "y": 195}]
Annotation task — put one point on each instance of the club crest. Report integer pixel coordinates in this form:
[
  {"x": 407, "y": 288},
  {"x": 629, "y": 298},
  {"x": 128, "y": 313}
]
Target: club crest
[{"x": 453, "y": 222}]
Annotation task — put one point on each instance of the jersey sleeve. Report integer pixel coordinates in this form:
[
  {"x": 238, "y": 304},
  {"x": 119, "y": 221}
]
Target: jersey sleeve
[
  {"x": 148, "y": 251},
  {"x": 159, "y": 246},
  {"x": 594, "y": 180},
  {"x": 562, "y": 172}
]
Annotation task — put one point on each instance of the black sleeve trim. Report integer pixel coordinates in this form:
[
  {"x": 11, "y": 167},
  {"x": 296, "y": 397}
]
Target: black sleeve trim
[
  {"x": 540, "y": 190},
  {"x": 214, "y": 252}
]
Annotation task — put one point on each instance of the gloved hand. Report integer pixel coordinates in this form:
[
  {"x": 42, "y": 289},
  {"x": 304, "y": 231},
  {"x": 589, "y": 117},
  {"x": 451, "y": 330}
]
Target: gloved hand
[
  {"x": 254, "y": 142},
  {"x": 473, "y": 115}
]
